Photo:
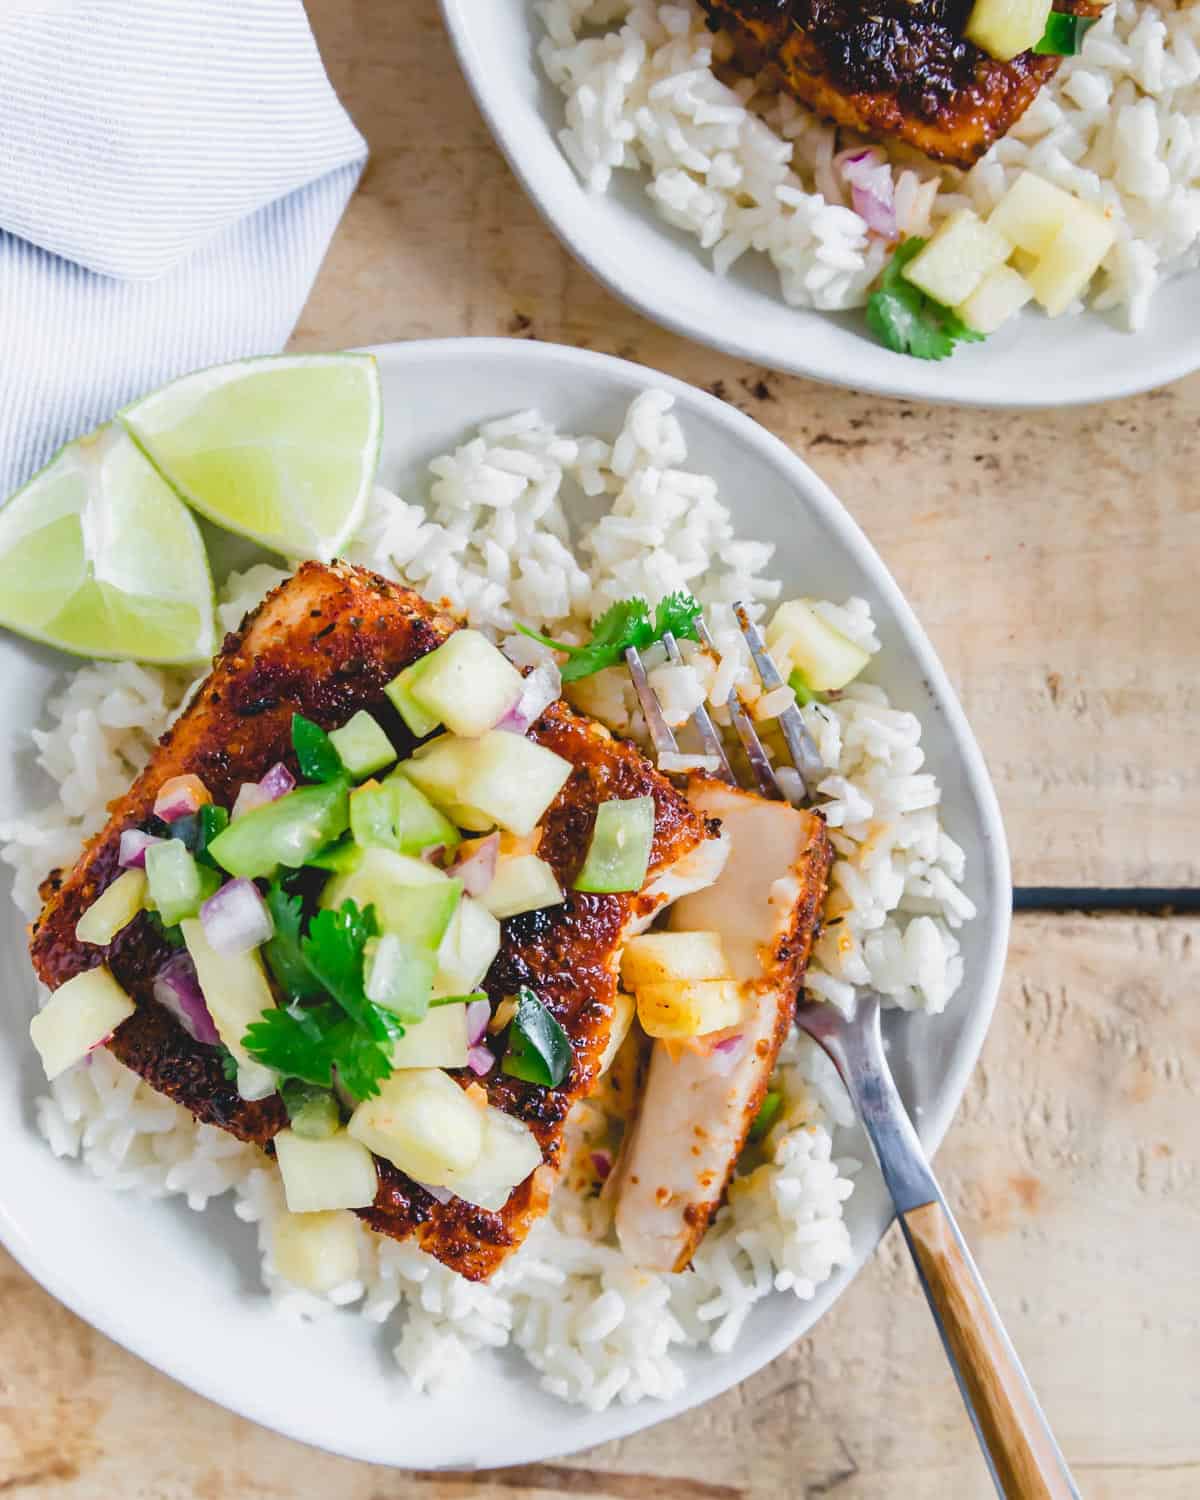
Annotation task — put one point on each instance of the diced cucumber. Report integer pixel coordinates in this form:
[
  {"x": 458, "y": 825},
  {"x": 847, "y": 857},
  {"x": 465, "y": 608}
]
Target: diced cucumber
[
  {"x": 362, "y": 746},
  {"x": 799, "y": 637},
  {"x": 399, "y": 976},
  {"x": 962, "y": 252},
  {"x": 396, "y": 815},
  {"x": 312, "y": 1110},
  {"x": 287, "y": 832},
  {"x": 319, "y": 1175},
  {"x": 467, "y": 683},
  {"x": 79, "y": 1016},
  {"x": 114, "y": 910},
  {"x": 400, "y": 693},
  {"x": 316, "y": 1251},
  {"x": 466, "y": 953},
  {"x": 338, "y": 858},
  {"x": 178, "y": 885},
  {"x": 508, "y": 1154},
  {"x": 522, "y": 882},
  {"x": 619, "y": 853},
  {"x": 411, "y": 898},
  {"x": 235, "y": 990},
  {"x": 418, "y": 824},
  {"x": 423, "y": 1123},
  {"x": 439, "y": 1041},
  {"x": 511, "y": 779}
]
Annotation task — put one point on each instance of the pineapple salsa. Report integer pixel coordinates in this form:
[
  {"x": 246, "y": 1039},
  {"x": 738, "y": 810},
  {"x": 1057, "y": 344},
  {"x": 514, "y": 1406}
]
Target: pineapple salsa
[{"x": 332, "y": 934}]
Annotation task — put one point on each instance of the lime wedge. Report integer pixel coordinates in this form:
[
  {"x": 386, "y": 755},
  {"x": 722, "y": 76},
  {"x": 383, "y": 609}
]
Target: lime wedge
[
  {"x": 98, "y": 557},
  {"x": 281, "y": 450}
]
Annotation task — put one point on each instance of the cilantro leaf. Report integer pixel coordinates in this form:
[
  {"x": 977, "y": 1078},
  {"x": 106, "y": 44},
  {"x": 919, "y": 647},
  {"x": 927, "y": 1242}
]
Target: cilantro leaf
[
  {"x": 333, "y": 951},
  {"x": 318, "y": 759},
  {"x": 309, "y": 1042},
  {"x": 282, "y": 952},
  {"x": 626, "y": 623},
  {"x": 908, "y": 321}
]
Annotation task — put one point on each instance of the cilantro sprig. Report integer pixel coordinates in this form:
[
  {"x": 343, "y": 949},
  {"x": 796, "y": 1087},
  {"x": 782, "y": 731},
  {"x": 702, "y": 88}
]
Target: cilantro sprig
[
  {"x": 908, "y": 321},
  {"x": 626, "y": 623},
  {"x": 344, "y": 1030}
]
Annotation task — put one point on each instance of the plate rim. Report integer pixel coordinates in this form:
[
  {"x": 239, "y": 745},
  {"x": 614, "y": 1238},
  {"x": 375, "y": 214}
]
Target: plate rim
[
  {"x": 725, "y": 1371},
  {"x": 1127, "y": 378}
]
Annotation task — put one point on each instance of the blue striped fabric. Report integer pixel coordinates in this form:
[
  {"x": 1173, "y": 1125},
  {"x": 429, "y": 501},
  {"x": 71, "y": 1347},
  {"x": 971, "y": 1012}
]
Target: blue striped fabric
[{"x": 171, "y": 172}]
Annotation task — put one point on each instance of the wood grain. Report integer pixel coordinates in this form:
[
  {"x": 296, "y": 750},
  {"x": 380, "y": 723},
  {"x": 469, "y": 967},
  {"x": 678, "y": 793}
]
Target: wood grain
[
  {"x": 1012, "y": 1429},
  {"x": 1049, "y": 554},
  {"x": 1074, "y": 1169}
]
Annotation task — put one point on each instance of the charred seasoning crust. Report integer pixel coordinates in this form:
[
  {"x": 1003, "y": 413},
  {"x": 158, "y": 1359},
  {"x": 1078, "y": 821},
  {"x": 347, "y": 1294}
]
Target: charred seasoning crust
[{"x": 891, "y": 67}]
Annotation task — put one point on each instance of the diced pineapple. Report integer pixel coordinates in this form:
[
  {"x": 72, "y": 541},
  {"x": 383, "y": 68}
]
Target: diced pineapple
[
  {"x": 660, "y": 957},
  {"x": 439, "y": 1041},
  {"x": 423, "y": 1123},
  {"x": 512, "y": 780},
  {"x": 508, "y": 1154},
  {"x": 998, "y": 296},
  {"x": 114, "y": 910},
  {"x": 1030, "y": 215},
  {"x": 692, "y": 1007},
  {"x": 1023, "y": 261},
  {"x": 1004, "y": 28},
  {"x": 522, "y": 882},
  {"x": 318, "y": 1175},
  {"x": 1073, "y": 258},
  {"x": 955, "y": 261},
  {"x": 466, "y": 952},
  {"x": 316, "y": 1251},
  {"x": 467, "y": 683},
  {"x": 78, "y": 1016},
  {"x": 798, "y": 638},
  {"x": 236, "y": 992},
  {"x": 623, "y": 1013}
]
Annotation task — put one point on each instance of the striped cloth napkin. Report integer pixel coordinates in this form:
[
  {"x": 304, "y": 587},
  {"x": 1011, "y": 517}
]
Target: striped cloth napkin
[{"x": 171, "y": 172}]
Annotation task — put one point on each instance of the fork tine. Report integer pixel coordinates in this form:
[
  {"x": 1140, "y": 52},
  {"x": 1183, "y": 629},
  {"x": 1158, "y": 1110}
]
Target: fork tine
[
  {"x": 801, "y": 746},
  {"x": 660, "y": 731},
  {"x": 710, "y": 737},
  {"x": 760, "y": 761}
]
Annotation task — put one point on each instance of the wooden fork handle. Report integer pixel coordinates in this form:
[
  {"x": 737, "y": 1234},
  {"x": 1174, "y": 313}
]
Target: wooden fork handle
[{"x": 1025, "y": 1459}]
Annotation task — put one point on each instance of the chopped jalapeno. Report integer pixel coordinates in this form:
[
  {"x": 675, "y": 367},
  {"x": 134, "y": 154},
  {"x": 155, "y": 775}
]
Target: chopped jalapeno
[
  {"x": 315, "y": 751},
  {"x": 1064, "y": 34},
  {"x": 619, "y": 853},
  {"x": 313, "y": 1111},
  {"x": 538, "y": 1048},
  {"x": 288, "y": 831},
  {"x": 768, "y": 1113}
]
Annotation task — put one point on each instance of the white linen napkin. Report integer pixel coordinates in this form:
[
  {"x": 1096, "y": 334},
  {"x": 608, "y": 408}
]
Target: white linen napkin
[{"x": 171, "y": 172}]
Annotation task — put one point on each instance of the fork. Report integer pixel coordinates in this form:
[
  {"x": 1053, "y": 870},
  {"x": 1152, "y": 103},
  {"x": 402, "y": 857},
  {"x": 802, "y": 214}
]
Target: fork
[{"x": 1024, "y": 1460}]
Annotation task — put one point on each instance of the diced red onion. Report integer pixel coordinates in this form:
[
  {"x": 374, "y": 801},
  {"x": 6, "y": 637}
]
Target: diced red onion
[
  {"x": 725, "y": 1054},
  {"x": 236, "y": 919},
  {"x": 179, "y": 797},
  {"x": 438, "y": 1194},
  {"x": 478, "y": 869},
  {"x": 542, "y": 686},
  {"x": 479, "y": 1013},
  {"x": 481, "y": 1060},
  {"x": 134, "y": 844},
  {"x": 177, "y": 988},
  {"x": 277, "y": 782},
  {"x": 434, "y": 854},
  {"x": 602, "y": 1164},
  {"x": 871, "y": 191}
]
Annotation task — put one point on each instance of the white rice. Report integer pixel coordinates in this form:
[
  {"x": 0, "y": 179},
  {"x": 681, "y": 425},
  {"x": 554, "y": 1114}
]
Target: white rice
[
  {"x": 493, "y": 539},
  {"x": 745, "y": 169}
]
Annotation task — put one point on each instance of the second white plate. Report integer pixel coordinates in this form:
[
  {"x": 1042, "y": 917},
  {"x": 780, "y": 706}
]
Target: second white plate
[{"x": 661, "y": 272}]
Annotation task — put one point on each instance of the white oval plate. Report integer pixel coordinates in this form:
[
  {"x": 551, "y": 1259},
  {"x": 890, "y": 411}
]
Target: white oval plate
[
  {"x": 181, "y": 1290},
  {"x": 661, "y": 272}
]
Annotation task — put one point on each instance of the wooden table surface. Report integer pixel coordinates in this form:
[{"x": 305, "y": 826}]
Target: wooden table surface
[{"x": 1052, "y": 558}]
